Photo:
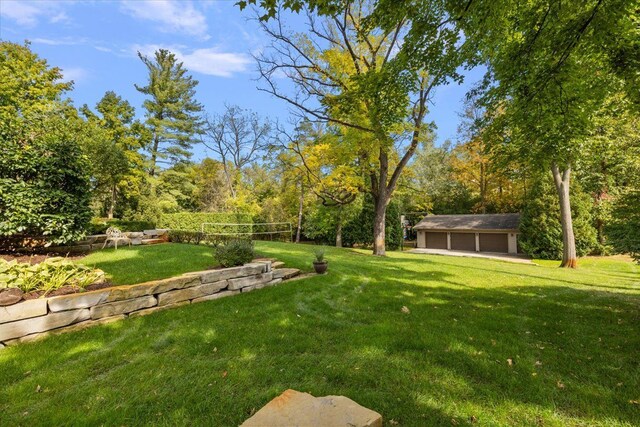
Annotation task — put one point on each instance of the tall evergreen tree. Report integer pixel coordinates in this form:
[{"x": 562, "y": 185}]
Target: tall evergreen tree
[{"x": 173, "y": 114}]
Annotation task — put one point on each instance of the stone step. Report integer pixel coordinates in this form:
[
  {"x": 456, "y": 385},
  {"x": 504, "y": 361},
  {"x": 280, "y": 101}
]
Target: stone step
[
  {"x": 293, "y": 408},
  {"x": 277, "y": 264},
  {"x": 285, "y": 273},
  {"x": 152, "y": 241}
]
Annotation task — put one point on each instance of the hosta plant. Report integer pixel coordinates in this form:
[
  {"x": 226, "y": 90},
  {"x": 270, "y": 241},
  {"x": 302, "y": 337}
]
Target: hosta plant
[{"x": 47, "y": 276}]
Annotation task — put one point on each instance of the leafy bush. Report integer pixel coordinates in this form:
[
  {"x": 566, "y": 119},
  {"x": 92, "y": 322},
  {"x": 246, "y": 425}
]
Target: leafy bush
[
  {"x": 192, "y": 221},
  {"x": 181, "y": 236},
  {"x": 234, "y": 252},
  {"x": 44, "y": 179},
  {"x": 540, "y": 227},
  {"x": 99, "y": 226},
  {"x": 47, "y": 276},
  {"x": 624, "y": 231}
]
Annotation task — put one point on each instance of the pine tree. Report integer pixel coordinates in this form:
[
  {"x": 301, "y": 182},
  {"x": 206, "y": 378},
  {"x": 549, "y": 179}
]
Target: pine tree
[{"x": 173, "y": 114}]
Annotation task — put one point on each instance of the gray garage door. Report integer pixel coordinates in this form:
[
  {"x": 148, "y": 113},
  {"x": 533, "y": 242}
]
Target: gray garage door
[
  {"x": 463, "y": 241},
  {"x": 494, "y": 242},
  {"x": 436, "y": 240}
]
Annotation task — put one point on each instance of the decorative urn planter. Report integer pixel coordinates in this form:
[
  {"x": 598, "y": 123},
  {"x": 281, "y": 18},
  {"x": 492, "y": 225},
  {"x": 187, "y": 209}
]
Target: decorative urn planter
[{"x": 320, "y": 267}]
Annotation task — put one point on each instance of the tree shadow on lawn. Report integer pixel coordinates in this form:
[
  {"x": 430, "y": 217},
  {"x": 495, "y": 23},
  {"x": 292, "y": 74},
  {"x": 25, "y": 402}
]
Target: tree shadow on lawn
[{"x": 218, "y": 362}]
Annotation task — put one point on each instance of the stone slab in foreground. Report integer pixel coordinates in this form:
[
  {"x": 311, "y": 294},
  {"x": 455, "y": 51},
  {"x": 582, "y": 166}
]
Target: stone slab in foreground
[{"x": 293, "y": 408}]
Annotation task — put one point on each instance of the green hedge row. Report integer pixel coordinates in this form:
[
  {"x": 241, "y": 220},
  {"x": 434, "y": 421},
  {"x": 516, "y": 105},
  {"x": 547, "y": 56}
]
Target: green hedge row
[{"x": 192, "y": 221}]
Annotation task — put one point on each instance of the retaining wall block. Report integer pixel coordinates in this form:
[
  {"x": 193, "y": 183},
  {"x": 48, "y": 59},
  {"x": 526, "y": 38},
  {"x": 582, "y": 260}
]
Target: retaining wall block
[
  {"x": 151, "y": 288},
  {"x": 34, "y": 325},
  {"x": 122, "y": 307},
  {"x": 23, "y": 310},
  {"x": 250, "y": 281},
  {"x": 191, "y": 293},
  {"x": 229, "y": 273},
  {"x": 215, "y": 296},
  {"x": 79, "y": 300}
]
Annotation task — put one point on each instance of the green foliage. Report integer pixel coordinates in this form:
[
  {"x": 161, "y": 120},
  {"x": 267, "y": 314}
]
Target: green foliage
[
  {"x": 173, "y": 114},
  {"x": 540, "y": 223},
  {"x": 100, "y": 225},
  {"x": 359, "y": 229},
  {"x": 192, "y": 221},
  {"x": 47, "y": 276},
  {"x": 234, "y": 252},
  {"x": 319, "y": 254},
  {"x": 624, "y": 231},
  {"x": 44, "y": 184},
  {"x": 181, "y": 236},
  {"x": 112, "y": 142}
]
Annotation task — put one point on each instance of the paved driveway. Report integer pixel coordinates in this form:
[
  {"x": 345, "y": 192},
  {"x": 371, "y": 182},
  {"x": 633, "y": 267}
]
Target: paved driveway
[{"x": 522, "y": 259}]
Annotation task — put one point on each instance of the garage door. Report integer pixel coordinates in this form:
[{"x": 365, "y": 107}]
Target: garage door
[
  {"x": 494, "y": 242},
  {"x": 436, "y": 240},
  {"x": 463, "y": 241}
]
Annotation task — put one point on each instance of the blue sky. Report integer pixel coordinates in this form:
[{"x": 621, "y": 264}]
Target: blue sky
[{"x": 95, "y": 44}]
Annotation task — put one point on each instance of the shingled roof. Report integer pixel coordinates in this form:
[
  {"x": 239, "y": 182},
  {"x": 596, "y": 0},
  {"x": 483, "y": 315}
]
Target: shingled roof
[{"x": 493, "y": 222}]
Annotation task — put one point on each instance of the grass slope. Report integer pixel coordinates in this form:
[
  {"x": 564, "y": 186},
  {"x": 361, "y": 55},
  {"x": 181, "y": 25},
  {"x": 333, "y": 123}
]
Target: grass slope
[{"x": 572, "y": 338}]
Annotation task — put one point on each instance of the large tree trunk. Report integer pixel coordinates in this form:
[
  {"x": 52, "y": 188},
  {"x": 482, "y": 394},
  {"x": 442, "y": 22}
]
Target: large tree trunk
[
  {"x": 339, "y": 229},
  {"x": 154, "y": 155},
  {"x": 562, "y": 180},
  {"x": 112, "y": 202},
  {"x": 379, "y": 225},
  {"x": 300, "y": 206}
]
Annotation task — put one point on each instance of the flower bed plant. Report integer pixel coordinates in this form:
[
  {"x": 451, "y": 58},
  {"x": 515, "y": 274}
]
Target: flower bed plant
[{"x": 47, "y": 276}]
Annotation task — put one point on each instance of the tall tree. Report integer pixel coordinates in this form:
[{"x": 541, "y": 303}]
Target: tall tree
[
  {"x": 237, "y": 137},
  {"x": 548, "y": 74},
  {"x": 113, "y": 147},
  {"x": 324, "y": 161},
  {"x": 352, "y": 68},
  {"x": 173, "y": 114}
]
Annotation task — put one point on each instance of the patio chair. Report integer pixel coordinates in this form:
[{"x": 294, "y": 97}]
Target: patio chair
[{"x": 114, "y": 235}]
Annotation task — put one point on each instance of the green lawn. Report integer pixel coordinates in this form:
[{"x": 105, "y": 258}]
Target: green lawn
[
  {"x": 573, "y": 338},
  {"x": 136, "y": 264}
]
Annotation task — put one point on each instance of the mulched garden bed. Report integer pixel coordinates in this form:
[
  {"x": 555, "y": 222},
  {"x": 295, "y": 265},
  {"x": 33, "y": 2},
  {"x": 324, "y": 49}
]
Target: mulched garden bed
[{"x": 38, "y": 258}]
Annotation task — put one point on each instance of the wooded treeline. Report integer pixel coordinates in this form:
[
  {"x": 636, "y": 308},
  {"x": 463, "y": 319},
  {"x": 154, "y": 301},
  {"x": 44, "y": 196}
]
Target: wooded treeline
[{"x": 552, "y": 130}]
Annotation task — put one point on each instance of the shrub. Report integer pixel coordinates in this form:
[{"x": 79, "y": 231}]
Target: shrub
[
  {"x": 541, "y": 231},
  {"x": 234, "y": 252},
  {"x": 319, "y": 254},
  {"x": 624, "y": 231},
  {"x": 47, "y": 276}
]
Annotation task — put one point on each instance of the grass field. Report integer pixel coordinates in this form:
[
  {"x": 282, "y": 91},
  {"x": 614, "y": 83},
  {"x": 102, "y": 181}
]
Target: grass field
[{"x": 483, "y": 342}]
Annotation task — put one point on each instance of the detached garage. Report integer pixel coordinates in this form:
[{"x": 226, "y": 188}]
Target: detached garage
[{"x": 475, "y": 233}]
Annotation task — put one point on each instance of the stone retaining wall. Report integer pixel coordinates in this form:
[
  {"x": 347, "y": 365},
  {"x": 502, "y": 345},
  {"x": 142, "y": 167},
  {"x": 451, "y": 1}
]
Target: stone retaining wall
[
  {"x": 96, "y": 241},
  {"x": 36, "y": 318}
]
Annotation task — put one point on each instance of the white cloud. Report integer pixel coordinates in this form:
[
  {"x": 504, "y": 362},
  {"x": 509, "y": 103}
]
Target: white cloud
[
  {"x": 209, "y": 61},
  {"x": 173, "y": 16},
  {"x": 28, "y": 14},
  {"x": 74, "y": 73}
]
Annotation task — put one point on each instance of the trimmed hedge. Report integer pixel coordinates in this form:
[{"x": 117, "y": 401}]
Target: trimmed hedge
[{"x": 192, "y": 221}]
